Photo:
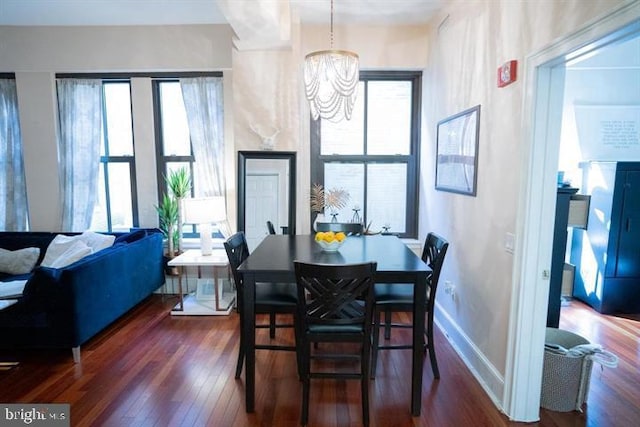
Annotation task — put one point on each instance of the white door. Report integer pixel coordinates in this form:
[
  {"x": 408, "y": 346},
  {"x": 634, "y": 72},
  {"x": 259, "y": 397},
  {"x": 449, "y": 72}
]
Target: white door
[{"x": 261, "y": 205}]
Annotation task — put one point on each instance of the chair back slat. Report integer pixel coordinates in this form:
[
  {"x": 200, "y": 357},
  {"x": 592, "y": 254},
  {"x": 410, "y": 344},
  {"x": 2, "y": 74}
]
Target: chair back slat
[
  {"x": 271, "y": 228},
  {"x": 433, "y": 254},
  {"x": 335, "y": 294},
  {"x": 237, "y": 251}
]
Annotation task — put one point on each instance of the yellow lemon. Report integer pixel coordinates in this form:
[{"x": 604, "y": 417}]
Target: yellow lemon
[
  {"x": 319, "y": 236},
  {"x": 329, "y": 236},
  {"x": 340, "y": 236}
]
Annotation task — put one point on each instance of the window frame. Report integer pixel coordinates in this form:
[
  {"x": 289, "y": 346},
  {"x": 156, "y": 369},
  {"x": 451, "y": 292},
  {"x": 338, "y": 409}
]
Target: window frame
[
  {"x": 161, "y": 159},
  {"x": 105, "y": 160},
  {"x": 412, "y": 160}
]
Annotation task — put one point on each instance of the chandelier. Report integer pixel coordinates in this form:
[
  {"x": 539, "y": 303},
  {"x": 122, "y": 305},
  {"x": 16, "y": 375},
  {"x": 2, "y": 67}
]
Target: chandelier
[{"x": 331, "y": 81}]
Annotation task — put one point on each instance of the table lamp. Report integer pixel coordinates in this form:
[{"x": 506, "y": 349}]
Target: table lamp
[{"x": 204, "y": 211}]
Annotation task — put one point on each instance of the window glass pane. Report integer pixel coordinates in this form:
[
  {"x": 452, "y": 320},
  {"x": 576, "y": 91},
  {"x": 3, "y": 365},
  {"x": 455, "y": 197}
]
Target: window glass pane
[
  {"x": 347, "y": 136},
  {"x": 117, "y": 98},
  {"x": 120, "y": 196},
  {"x": 387, "y": 196},
  {"x": 99, "y": 218},
  {"x": 175, "y": 130},
  {"x": 389, "y": 117},
  {"x": 349, "y": 177}
]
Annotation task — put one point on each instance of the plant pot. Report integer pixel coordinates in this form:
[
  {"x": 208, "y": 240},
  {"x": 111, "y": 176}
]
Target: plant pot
[{"x": 170, "y": 270}]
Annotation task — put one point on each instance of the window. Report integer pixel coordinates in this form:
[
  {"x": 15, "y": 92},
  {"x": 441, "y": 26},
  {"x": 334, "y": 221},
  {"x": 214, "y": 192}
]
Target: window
[
  {"x": 176, "y": 146},
  {"x": 375, "y": 155},
  {"x": 173, "y": 143},
  {"x": 116, "y": 206}
]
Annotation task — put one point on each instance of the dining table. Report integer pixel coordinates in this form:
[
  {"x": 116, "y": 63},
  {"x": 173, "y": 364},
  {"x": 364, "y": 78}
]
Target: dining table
[{"x": 273, "y": 261}]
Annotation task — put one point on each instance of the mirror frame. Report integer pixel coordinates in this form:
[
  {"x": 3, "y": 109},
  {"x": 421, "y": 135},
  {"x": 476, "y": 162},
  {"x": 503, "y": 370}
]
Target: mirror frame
[{"x": 243, "y": 156}]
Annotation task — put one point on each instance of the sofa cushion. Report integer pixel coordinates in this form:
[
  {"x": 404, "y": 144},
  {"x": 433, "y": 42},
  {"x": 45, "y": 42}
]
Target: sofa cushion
[
  {"x": 73, "y": 252},
  {"x": 20, "y": 261},
  {"x": 96, "y": 241}
]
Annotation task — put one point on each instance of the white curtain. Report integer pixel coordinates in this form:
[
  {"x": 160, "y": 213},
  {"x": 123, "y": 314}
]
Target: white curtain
[
  {"x": 203, "y": 101},
  {"x": 13, "y": 190},
  {"x": 80, "y": 115}
]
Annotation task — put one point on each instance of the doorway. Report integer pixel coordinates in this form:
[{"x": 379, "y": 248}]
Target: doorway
[{"x": 544, "y": 77}]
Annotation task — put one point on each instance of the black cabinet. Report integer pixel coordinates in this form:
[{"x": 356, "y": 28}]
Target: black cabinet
[
  {"x": 563, "y": 200},
  {"x": 607, "y": 253}
]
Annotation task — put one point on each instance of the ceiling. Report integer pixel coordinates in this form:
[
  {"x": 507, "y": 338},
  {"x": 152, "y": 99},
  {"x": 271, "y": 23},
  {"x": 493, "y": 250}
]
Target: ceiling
[{"x": 174, "y": 12}]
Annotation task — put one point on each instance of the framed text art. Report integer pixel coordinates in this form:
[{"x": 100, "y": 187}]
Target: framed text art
[{"x": 457, "y": 152}]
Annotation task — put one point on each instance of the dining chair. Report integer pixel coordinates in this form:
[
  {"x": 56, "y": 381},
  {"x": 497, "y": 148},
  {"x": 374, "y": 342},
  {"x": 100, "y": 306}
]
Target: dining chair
[
  {"x": 271, "y": 228},
  {"x": 271, "y": 298},
  {"x": 335, "y": 305},
  {"x": 398, "y": 297}
]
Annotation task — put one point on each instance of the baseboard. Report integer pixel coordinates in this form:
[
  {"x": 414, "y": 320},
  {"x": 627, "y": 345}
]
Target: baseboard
[{"x": 481, "y": 368}]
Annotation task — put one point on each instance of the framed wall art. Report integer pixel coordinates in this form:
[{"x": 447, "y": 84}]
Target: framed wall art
[{"x": 457, "y": 152}]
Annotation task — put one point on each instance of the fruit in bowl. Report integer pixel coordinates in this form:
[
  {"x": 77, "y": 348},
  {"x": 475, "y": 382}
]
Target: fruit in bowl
[{"x": 330, "y": 241}]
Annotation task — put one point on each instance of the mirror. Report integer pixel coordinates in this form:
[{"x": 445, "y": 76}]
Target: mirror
[{"x": 266, "y": 192}]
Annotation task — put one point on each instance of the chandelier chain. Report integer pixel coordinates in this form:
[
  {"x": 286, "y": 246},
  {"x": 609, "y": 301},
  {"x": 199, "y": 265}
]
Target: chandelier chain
[{"x": 331, "y": 25}]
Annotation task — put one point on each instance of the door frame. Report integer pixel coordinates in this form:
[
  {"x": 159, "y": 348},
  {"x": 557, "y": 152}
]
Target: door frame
[{"x": 536, "y": 209}]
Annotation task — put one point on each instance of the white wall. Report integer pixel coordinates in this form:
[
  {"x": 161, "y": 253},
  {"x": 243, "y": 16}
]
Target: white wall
[{"x": 603, "y": 87}]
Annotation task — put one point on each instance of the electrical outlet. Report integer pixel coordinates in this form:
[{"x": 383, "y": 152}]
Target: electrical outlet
[
  {"x": 509, "y": 242},
  {"x": 447, "y": 286},
  {"x": 450, "y": 289}
]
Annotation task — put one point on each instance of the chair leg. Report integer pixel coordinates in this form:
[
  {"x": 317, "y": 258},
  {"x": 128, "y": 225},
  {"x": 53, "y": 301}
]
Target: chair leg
[
  {"x": 375, "y": 343},
  {"x": 304, "y": 417},
  {"x": 387, "y": 324},
  {"x": 240, "y": 357},
  {"x": 432, "y": 350},
  {"x": 272, "y": 325},
  {"x": 364, "y": 382}
]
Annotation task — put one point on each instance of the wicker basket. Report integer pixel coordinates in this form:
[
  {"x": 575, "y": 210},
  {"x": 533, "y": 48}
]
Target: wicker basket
[{"x": 565, "y": 380}]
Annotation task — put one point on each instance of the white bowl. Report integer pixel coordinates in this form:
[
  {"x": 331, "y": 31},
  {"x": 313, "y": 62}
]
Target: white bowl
[{"x": 330, "y": 247}]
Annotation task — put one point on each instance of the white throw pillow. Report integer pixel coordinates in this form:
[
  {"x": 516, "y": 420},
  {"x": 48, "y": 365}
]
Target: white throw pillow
[
  {"x": 77, "y": 250},
  {"x": 20, "y": 261},
  {"x": 97, "y": 241},
  {"x": 57, "y": 247}
]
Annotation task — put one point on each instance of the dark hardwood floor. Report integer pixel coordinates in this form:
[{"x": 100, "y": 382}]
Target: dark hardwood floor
[{"x": 151, "y": 369}]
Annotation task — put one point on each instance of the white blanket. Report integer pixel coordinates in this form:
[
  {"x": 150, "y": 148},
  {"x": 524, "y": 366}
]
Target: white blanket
[{"x": 12, "y": 289}]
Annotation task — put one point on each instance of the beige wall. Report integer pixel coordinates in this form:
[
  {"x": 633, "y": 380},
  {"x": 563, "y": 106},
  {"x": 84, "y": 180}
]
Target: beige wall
[
  {"x": 468, "y": 41},
  {"x": 36, "y": 54}
]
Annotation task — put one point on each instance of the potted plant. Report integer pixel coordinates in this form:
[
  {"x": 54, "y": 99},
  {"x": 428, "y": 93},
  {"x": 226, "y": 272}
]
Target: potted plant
[
  {"x": 168, "y": 213},
  {"x": 333, "y": 199},
  {"x": 179, "y": 185}
]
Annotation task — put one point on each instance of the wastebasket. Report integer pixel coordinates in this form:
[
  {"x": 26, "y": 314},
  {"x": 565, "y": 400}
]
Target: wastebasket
[{"x": 565, "y": 379}]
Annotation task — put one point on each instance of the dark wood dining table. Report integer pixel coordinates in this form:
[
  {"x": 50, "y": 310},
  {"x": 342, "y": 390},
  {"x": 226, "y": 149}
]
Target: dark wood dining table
[{"x": 272, "y": 261}]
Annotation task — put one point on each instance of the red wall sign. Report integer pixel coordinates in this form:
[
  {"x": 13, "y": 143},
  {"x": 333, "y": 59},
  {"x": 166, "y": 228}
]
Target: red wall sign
[{"x": 507, "y": 73}]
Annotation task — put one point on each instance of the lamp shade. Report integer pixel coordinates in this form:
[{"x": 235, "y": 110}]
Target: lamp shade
[{"x": 203, "y": 210}]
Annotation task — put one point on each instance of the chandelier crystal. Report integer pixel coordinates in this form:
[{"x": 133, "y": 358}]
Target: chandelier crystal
[{"x": 331, "y": 82}]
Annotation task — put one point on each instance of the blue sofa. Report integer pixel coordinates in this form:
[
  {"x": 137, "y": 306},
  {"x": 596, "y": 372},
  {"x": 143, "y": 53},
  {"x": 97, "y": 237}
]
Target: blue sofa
[{"x": 65, "y": 307}]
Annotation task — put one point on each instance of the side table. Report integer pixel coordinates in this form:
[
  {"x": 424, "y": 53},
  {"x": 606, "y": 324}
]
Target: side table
[{"x": 189, "y": 305}]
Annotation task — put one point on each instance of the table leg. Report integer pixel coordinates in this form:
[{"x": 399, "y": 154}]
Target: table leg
[
  {"x": 419, "y": 306},
  {"x": 249, "y": 332},
  {"x": 180, "y": 290},
  {"x": 215, "y": 288}
]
